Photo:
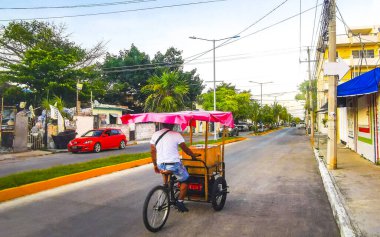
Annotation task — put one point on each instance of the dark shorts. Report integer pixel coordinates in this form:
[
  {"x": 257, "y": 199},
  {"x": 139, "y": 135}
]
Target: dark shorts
[{"x": 178, "y": 170}]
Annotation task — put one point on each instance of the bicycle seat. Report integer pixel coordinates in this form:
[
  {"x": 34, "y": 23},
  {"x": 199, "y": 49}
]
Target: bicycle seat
[{"x": 166, "y": 172}]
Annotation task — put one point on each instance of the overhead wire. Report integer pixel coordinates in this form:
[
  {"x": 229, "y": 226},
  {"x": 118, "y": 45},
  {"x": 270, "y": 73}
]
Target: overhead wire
[
  {"x": 77, "y": 6},
  {"x": 112, "y": 12},
  {"x": 196, "y": 56},
  {"x": 202, "y": 61},
  {"x": 205, "y": 52}
]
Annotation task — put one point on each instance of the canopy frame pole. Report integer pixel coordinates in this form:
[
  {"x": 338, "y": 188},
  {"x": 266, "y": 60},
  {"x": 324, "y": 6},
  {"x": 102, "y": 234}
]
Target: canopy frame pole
[{"x": 191, "y": 134}]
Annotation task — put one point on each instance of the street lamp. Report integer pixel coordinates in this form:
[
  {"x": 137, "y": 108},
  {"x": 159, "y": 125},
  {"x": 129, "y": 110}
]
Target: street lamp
[
  {"x": 261, "y": 95},
  {"x": 213, "y": 44}
]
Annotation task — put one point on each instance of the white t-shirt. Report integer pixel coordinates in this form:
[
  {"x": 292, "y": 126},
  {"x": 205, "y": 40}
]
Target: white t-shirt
[{"x": 167, "y": 147}]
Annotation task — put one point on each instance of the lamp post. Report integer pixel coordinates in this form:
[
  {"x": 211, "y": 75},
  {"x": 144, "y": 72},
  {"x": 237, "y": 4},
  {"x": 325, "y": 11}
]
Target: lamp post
[
  {"x": 213, "y": 46},
  {"x": 261, "y": 95}
]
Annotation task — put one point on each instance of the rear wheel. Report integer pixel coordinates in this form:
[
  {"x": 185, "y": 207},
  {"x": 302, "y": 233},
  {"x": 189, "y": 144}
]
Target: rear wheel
[
  {"x": 219, "y": 194},
  {"x": 97, "y": 147},
  {"x": 156, "y": 209},
  {"x": 122, "y": 144}
]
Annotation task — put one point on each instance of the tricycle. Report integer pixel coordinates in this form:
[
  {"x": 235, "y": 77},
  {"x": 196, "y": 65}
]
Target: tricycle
[{"x": 207, "y": 181}]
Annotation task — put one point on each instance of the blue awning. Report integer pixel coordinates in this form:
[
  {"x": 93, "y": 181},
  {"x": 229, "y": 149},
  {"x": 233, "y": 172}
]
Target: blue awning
[{"x": 366, "y": 83}]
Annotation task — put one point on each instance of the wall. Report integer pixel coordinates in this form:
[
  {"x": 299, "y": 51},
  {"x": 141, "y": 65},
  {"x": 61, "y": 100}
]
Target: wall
[
  {"x": 144, "y": 131},
  {"x": 366, "y": 146},
  {"x": 343, "y": 125},
  {"x": 108, "y": 112},
  {"x": 83, "y": 124}
]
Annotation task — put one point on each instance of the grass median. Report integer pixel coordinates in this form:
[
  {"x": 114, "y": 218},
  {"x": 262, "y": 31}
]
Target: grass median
[{"x": 22, "y": 178}]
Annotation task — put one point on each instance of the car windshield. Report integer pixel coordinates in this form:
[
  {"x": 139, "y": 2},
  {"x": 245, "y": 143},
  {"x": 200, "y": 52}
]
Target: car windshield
[{"x": 93, "y": 133}]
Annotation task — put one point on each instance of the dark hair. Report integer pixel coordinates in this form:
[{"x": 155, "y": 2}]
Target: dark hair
[{"x": 168, "y": 126}]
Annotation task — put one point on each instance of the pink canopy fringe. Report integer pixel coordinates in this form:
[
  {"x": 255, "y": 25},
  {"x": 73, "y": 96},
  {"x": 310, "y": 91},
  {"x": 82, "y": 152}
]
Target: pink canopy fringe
[{"x": 182, "y": 118}]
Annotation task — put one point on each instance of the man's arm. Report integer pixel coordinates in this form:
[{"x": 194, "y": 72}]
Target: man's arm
[
  {"x": 153, "y": 154},
  {"x": 187, "y": 150}
]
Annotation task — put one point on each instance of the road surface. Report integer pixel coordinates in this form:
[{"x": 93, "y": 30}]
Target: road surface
[{"x": 275, "y": 190}]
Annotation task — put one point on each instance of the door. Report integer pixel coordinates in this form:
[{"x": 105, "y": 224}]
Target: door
[{"x": 107, "y": 139}]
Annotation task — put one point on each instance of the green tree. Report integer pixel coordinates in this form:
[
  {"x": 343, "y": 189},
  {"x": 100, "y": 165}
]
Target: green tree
[
  {"x": 267, "y": 114},
  {"x": 228, "y": 99},
  {"x": 128, "y": 72},
  {"x": 125, "y": 75},
  {"x": 39, "y": 58},
  {"x": 166, "y": 93}
]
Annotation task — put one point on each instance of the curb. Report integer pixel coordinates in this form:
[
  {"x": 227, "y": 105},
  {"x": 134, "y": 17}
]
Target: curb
[
  {"x": 337, "y": 206},
  {"x": 27, "y": 189}
]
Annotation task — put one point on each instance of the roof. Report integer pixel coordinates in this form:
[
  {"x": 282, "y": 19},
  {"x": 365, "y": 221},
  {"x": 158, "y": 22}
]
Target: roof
[{"x": 182, "y": 118}]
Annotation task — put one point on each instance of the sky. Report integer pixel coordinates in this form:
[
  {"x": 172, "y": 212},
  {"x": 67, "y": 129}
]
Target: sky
[{"x": 268, "y": 50}]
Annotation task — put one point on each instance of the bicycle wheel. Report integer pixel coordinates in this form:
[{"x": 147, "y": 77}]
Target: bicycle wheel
[
  {"x": 219, "y": 194},
  {"x": 156, "y": 209}
]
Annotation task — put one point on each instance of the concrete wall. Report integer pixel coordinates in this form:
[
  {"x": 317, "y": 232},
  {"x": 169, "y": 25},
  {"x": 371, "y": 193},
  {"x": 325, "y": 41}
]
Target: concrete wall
[
  {"x": 366, "y": 145},
  {"x": 83, "y": 124},
  {"x": 144, "y": 131}
]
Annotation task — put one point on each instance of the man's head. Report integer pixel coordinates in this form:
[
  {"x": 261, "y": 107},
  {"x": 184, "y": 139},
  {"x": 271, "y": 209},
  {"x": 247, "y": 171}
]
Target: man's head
[{"x": 168, "y": 126}]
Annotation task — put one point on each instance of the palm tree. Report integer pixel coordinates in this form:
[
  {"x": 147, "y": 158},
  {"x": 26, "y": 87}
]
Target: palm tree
[{"x": 166, "y": 93}]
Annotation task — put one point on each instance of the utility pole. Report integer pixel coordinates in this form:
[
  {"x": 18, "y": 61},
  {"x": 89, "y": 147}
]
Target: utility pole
[
  {"x": 332, "y": 137},
  {"x": 310, "y": 100},
  {"x": 261, "y": 95},
  {"x": 78, "y": 106},
  {"x": 213, "y": 48}
]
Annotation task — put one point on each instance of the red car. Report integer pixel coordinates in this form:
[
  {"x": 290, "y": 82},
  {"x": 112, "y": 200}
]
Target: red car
[{"x": 97, "y": 140}]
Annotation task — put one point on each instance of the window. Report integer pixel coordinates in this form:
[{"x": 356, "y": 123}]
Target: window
[
  {"x": 370, "y": 53},
  {"x": 115, "y": 132}
]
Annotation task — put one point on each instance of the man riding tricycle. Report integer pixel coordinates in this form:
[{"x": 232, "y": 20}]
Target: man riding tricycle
[{"x": 198, "y": 176}]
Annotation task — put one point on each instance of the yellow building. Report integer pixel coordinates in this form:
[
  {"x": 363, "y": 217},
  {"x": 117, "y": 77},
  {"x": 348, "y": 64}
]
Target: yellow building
[{"x": 359, "y": 49}]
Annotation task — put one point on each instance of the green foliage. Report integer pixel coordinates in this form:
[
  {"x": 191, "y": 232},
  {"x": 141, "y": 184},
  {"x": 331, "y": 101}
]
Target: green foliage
[
  {"x": 38, "y": 57},
  {"x": 125, "y": 80},
  {"x": 166, "y": 93},
  {"x": 23, "y": 178},
  {"x": 228, "y": 99}
]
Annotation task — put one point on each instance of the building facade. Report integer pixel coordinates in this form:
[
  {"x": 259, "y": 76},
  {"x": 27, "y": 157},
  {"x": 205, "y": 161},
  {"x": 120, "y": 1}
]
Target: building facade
[{"x": 357, "y": 115}]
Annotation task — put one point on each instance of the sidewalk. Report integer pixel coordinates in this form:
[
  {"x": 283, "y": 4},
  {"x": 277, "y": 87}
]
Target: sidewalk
[
  {"x": 357, "y": 183},
  {"x": 26, "y": 154}
]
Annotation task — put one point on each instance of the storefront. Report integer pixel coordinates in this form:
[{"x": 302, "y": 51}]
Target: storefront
[{"x": 362, "y": 114}]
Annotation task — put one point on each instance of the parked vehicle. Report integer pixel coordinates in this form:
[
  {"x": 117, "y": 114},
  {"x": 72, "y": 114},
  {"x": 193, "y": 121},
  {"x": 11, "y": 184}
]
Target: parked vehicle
[
  {"x": 97, "y": 140},
  {"x": 300, "y": 125},
  {"x": 242, "y": 127},
  {"x": 231, "y": 132}
]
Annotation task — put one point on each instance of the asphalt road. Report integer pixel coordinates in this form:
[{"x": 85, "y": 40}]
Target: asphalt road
[
  {"x": 275, "y": 190},
  {"x": 11, "y": 166}
]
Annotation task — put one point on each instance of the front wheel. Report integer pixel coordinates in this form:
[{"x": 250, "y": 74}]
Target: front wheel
[
  {"x": 156, "y": 209},
  {"x": 97, "y": 147},
  {"x": 122, "y": 144},
  {"x": 219, "y": 194}
]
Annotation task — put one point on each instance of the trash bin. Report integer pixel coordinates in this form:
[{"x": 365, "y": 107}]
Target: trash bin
[{"x": 63, "y": 138}]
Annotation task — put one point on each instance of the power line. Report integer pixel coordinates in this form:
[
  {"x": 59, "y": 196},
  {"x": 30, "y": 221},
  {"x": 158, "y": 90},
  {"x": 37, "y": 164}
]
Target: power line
[
  {"x": 203, "y": 53},
  {"x": 228, "y": 40},
  {"x": 112, "y": 12},
  {"x": 202, "y": 61},
  {"x": 77, "y": 6},
  {"x": 315, "y": 17},
  {"x": 262, "y": 29}
]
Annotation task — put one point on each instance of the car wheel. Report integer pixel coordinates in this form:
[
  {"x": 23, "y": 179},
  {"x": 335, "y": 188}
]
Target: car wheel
[
  {"x": 97, "y": 147},
  {"x": 122, "y": 144}
]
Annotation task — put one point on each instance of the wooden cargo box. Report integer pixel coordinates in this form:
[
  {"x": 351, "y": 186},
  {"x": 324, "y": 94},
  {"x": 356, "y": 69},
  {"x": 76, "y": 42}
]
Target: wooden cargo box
[{"x": 213, "y": 157}]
